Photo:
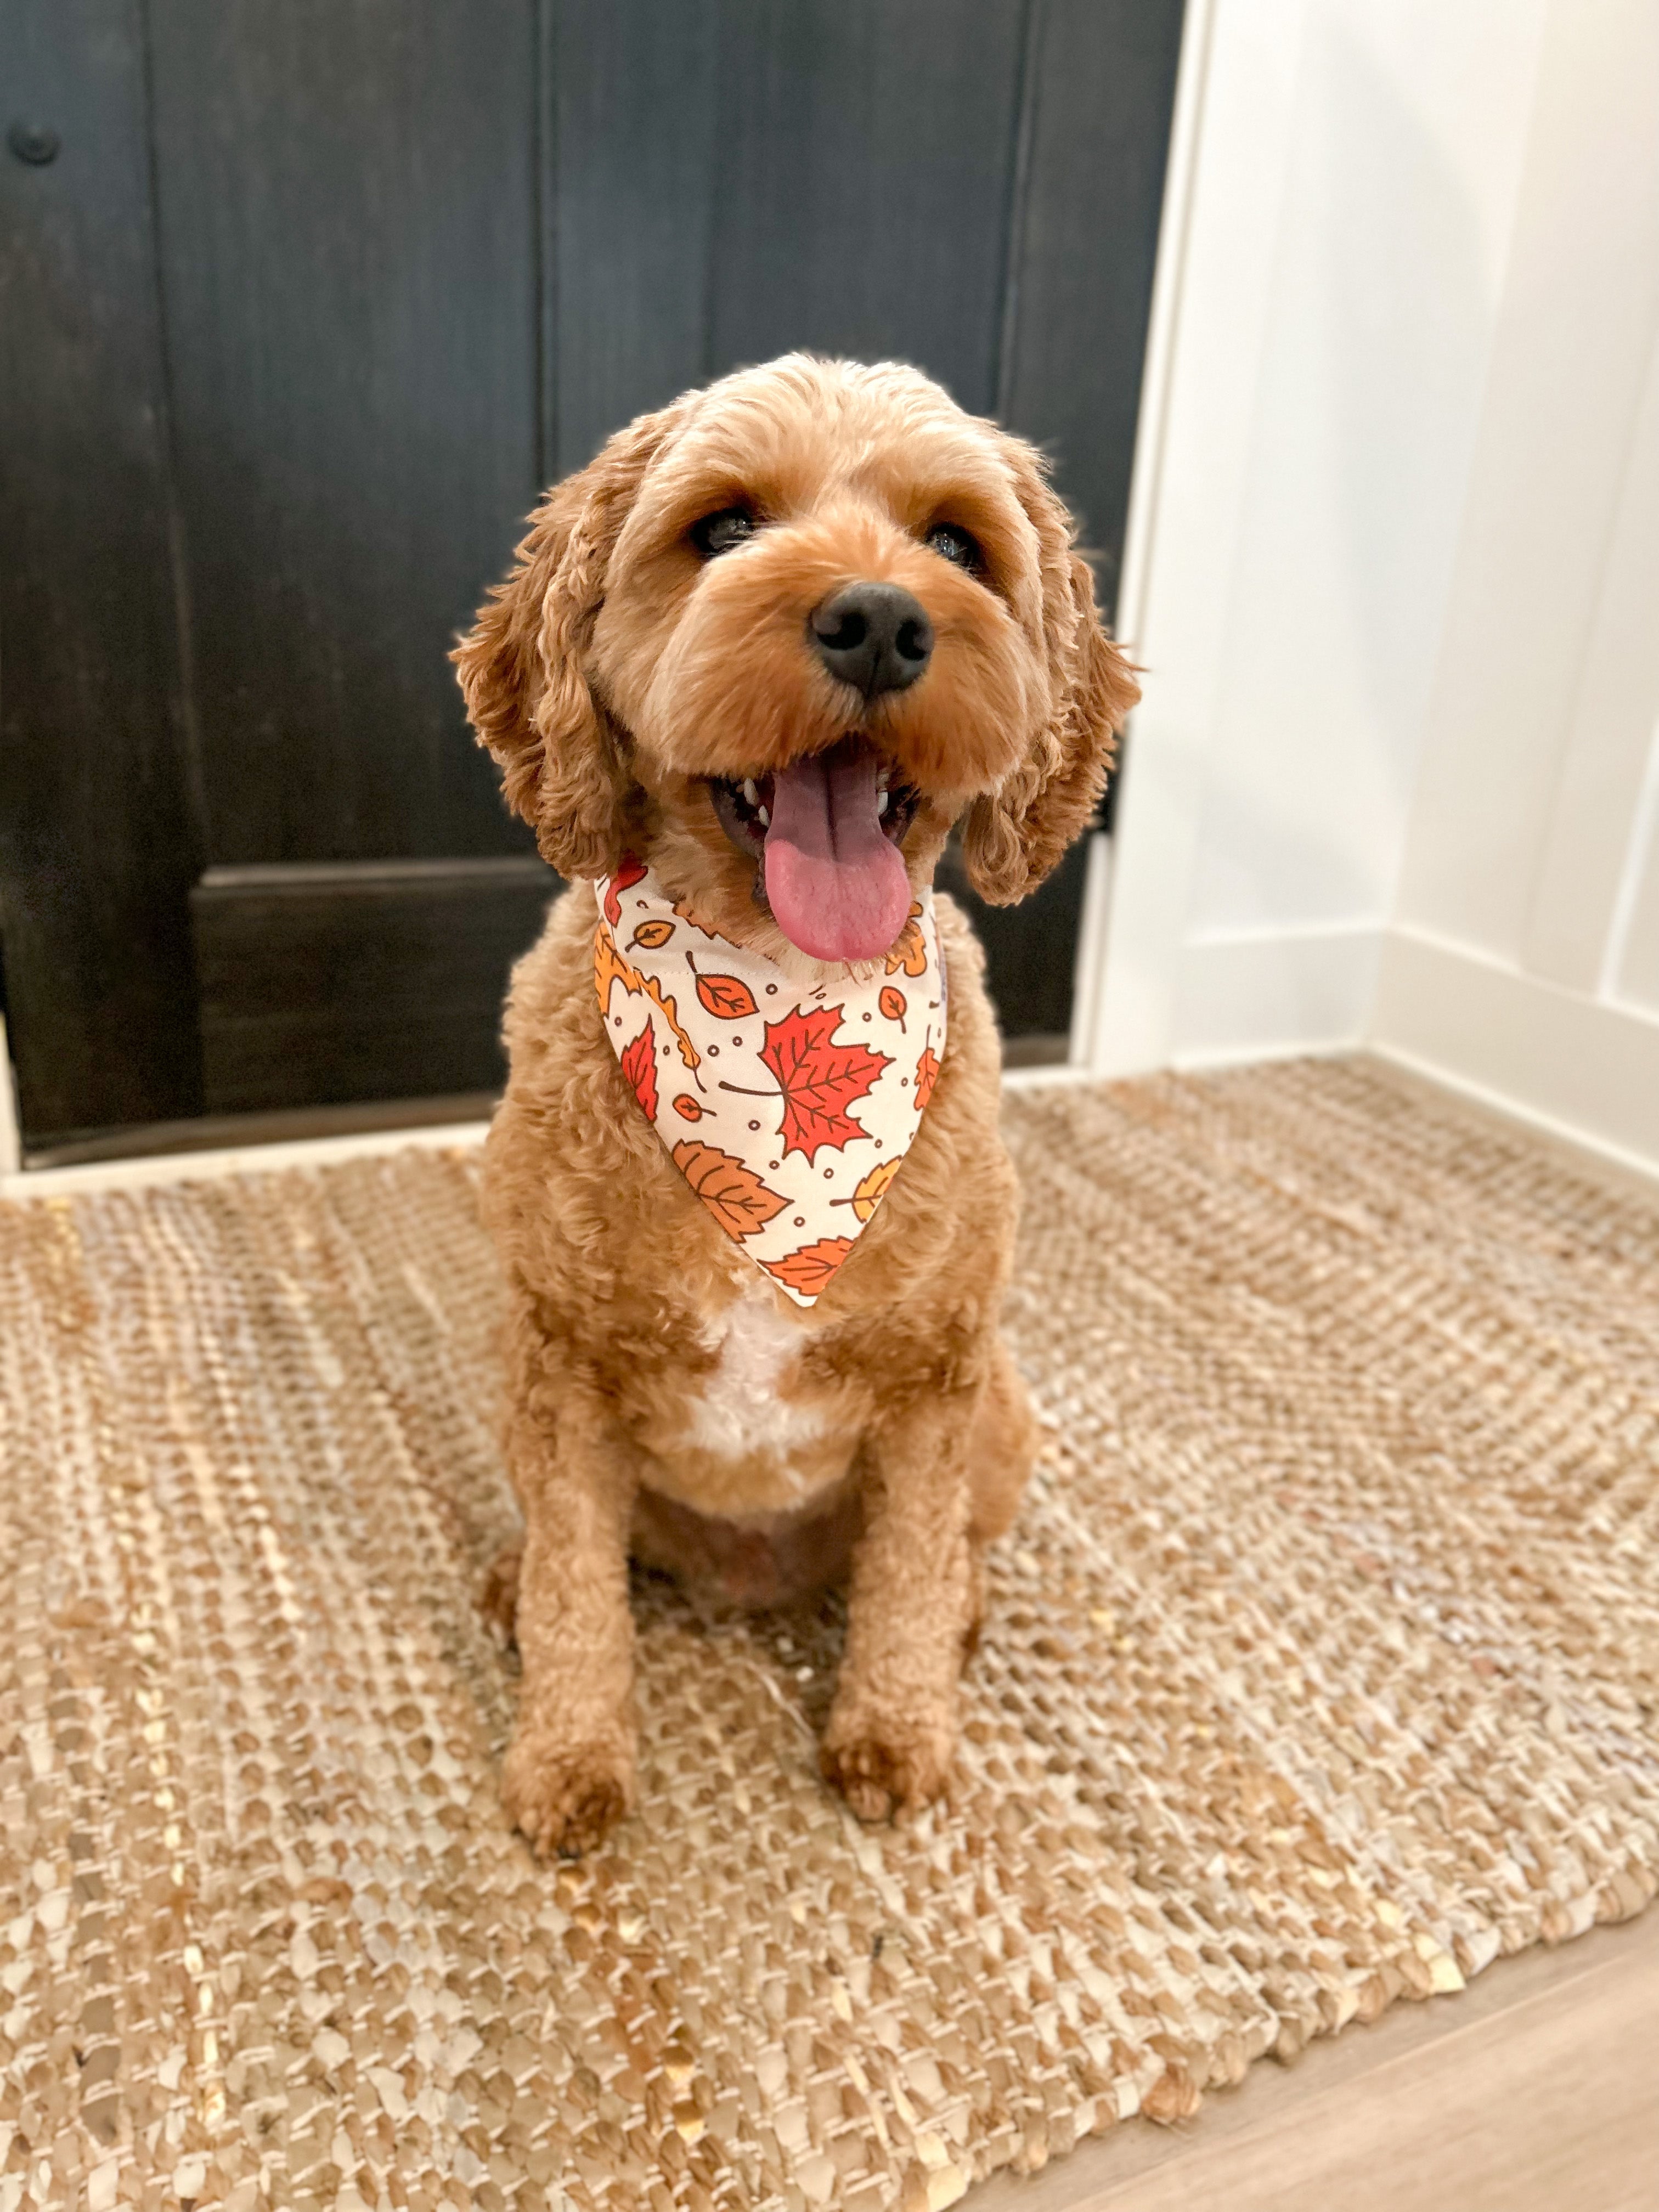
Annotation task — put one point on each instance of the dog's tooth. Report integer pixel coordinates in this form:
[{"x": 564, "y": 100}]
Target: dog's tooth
[
  {"x": 765, "y": 814},
  {"x": 751, "y": 791},
  {"x": 882, "y": 803}
]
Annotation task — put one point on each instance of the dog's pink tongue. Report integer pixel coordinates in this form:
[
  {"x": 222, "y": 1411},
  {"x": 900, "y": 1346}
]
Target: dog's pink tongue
[{"x": 836, "y": 886}]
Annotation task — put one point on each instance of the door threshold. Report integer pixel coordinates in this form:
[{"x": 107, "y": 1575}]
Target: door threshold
[
  {"x": 1040, "y": 1050},
  {"x": 218, "y": 1133}
]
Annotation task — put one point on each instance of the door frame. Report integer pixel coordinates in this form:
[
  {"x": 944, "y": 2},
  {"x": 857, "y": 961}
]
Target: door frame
[
  {"x": 1129, "y": 938},
  {"x": 11, "y": 1135}
]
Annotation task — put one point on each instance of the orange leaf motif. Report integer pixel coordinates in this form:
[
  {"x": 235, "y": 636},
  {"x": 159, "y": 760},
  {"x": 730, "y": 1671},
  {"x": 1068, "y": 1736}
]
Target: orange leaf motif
[
  {"x": 688, "y": 1108},
  {"x": 926, "y": 1077},
  {"x": 727, "y": 997},
  {"x": 871, "y": 1192},
  {"x": 610, "y": 967},
  {"x": 736, "y": 1197},
  {"x": 819, "y": 1079},
  {"x": 630, "y": 873},
  {"x": 910, "y": 953},
  {"x": 894, "y": 1004},
  {"x": 639, "y": 1065},
  {"x": 651, "y": 934},
  {"x": 811, "y": 1269}
]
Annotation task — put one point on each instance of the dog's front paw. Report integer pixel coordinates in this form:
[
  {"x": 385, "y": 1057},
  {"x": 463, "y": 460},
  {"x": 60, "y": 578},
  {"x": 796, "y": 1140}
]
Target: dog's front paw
[
  {"x": 883, "y": 1762},
  {"x": 567, "y": 1796}
]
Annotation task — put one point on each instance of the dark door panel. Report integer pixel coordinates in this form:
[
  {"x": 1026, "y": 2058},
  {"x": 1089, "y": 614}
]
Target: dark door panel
[
  {"x": 314, "y": 297},
  {"x": 348, "y": 220},
  {"x": 866, "y": 165},
  {"x": 97, "y": 846},
  {"x": 325, "y": 985},
  {"x": 1085, "y": 241},
  {"x": 1030, "y": 953},
  {"x": 636, "y": 117}
]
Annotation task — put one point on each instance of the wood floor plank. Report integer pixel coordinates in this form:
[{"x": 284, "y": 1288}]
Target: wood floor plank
[{"x": 1535, "y": 2090}]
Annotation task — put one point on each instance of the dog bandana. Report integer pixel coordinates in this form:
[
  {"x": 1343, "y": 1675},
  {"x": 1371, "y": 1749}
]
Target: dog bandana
[{"x": 789, "y": 1115}]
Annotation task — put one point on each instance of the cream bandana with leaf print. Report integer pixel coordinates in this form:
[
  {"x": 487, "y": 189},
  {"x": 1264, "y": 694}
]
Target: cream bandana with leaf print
[{"x": 789, "y": 1115}]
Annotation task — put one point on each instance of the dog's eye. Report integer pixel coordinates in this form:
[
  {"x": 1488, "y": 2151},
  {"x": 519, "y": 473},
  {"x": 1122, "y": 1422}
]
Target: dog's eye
[
  {"x": 956, "y": 546},
  {"x": 719, "y": 533}
]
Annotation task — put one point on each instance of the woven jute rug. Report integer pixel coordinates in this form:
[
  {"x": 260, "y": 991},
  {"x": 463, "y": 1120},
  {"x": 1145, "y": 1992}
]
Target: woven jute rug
[{"x": 1322, "y": 1666}]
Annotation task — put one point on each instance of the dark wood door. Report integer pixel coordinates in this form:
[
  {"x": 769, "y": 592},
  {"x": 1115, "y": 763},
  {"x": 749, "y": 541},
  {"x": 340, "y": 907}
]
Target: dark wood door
[{"x": 301, "y": 301}]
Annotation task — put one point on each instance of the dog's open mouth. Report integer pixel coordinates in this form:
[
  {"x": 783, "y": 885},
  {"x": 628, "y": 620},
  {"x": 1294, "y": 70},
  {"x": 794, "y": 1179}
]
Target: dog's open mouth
[{"x": 826, "y": 831}]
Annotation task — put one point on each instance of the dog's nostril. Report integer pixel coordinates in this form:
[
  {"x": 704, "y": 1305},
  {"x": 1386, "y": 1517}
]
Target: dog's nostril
[
  {"x": 848, "y": 633},
  {"x": 876, "y": 637}
]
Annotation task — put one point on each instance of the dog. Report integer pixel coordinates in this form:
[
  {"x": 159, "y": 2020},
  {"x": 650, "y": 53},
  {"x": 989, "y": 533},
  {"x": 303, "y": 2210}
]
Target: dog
[{"x": 750, "y": 668}]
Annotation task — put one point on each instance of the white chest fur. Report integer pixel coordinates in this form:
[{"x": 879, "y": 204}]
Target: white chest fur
[{"x": 743, "y": 1411}]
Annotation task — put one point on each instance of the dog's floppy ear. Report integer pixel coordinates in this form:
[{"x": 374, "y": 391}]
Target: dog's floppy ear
[
  {"x": 522, "y": 666},
  {"x": 1015, "y": 835}
]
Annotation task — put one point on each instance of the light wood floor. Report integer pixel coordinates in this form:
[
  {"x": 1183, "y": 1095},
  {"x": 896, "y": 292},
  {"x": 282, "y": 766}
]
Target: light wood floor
[{"x": 1535, "y": 2090}]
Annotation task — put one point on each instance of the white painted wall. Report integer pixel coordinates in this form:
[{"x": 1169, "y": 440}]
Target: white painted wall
[
  {"x": 1523, "y": 959},
  {"x": 1348, "y": 205},
  {"x": 1395, "y": 553}
]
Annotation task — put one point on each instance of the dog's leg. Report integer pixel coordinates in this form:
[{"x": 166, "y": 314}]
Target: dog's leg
[
  {"x": 1002, "y": 1442},
  {"x": 892, "y": 1727},
  {"x": 569, "y": 1773},
  {"x": 1002, "y": 1446}
]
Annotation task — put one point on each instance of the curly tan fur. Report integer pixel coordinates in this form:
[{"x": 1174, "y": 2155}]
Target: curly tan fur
[{"x": 612, "y": 676}]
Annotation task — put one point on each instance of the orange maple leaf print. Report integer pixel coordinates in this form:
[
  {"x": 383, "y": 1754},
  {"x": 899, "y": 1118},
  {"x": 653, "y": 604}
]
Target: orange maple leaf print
[
  {"x": 819, "y": 1079},
  {"x": 811, "y": 1269},
  {"x": 630, "y": 873},
  {"x": 639, "y": 1065},
  {"x": 733, "y": 1193},
  {"x": 926, "y": 1076},
  {"x": 910, "y": 953}
]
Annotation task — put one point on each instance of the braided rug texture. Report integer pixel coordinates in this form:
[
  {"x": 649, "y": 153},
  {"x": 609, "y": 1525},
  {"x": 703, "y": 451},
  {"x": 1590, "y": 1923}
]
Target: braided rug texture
[{"x": 1322, "y": 1666}]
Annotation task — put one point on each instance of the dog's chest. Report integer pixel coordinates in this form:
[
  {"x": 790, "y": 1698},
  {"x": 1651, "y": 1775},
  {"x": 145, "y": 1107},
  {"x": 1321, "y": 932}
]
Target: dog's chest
[{"x": 743, "y": 1409}]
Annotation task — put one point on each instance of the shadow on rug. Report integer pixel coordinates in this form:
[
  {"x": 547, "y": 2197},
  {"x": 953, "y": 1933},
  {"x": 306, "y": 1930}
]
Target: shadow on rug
[{"x": 1323, "y": 1665}]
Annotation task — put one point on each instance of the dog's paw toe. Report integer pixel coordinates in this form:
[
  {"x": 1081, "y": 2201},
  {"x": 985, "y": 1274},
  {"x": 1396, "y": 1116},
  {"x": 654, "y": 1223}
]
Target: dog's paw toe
[
  {"x": 566, "y": 1797},
  {"x": 885, "y": 1766}
]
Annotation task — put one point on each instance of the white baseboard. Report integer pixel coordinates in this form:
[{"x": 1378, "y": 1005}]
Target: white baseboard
[
  {"x": 1571, "y": 1066},
  {"x": 1272, "y": 995}
]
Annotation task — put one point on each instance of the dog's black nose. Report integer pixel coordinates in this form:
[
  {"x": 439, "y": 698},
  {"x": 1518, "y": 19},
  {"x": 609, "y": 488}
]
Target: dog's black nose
[{"x": 873, "y": 636}]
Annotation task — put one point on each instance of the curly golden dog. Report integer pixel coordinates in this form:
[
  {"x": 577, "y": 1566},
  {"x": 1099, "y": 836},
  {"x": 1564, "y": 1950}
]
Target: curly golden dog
[{"x": 772, "y": 644}]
